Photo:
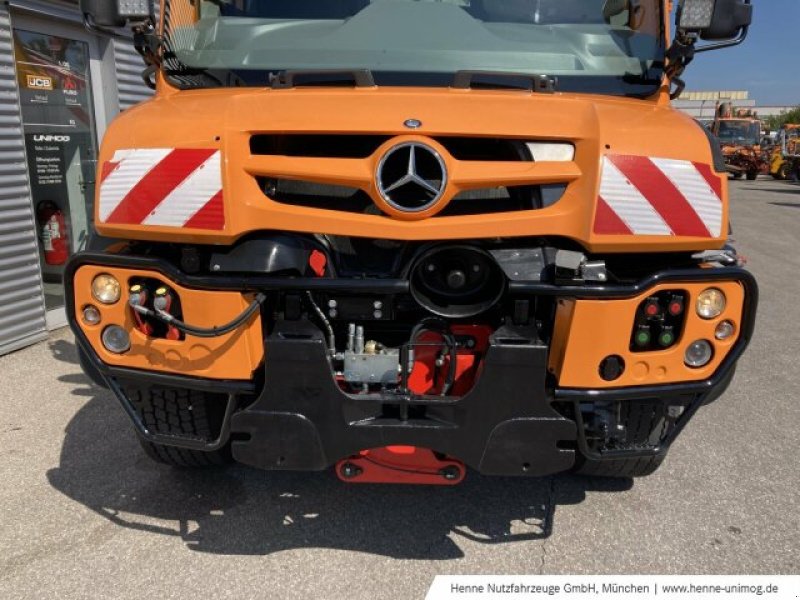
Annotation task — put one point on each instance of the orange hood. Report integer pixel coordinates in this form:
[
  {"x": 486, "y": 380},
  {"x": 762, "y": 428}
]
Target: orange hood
[{"x": 628, "y": 153}]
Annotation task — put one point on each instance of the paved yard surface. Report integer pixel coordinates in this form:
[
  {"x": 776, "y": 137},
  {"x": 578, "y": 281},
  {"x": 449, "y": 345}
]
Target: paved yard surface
[{"x": 85, "y": 514}]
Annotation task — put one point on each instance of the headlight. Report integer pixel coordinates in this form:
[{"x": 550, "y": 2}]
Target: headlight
[
  {"x": 699, "y": 354},
  {"x": 116, "y": 339},
  {"x": 106, "y": 289},
  {"x": 710, "y": 303}
]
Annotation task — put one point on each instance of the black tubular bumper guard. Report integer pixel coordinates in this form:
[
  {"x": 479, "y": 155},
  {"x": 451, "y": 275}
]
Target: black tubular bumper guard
[{"x": 506, "y": 425}]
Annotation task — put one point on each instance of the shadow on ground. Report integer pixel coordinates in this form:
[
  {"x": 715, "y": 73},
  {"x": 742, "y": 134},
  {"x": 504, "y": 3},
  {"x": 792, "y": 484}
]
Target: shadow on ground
[
  {"x": 787, "y": 188},
  {"x": 238, "y": 510}
]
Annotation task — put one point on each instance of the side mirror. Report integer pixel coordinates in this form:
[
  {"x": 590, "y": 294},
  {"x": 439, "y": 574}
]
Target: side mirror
[
  {"x": 115, "y": 13},
  {"x": 722, "y": 21}
]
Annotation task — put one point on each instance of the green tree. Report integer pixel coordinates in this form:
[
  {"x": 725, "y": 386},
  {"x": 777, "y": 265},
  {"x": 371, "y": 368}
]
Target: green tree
[{"x": 776, "y": 121}]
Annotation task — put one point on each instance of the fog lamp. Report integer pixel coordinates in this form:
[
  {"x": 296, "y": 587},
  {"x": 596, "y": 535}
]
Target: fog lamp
[
  {"x": 725, "y": 330},
  {"x": 116, "y": 339},
  {"x": 106, "y": 289},
  {"x": 91, "y": 316},
  {"x": 696, "y": 14},
  {"x": 710, "y": 303},
  {"x": 698, "y": 354}
]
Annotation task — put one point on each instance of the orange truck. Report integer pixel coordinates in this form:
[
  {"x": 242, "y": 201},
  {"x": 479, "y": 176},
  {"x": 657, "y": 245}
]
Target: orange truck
[
  {"x": 740, "y": 134},
  {"x": 403, "y": 239}
]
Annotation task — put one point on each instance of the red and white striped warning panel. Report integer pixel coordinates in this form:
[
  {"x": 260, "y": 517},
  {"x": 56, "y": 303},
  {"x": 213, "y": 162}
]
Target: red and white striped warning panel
[
  {"x": 658, "y": 196},
  {"x": 163, "y": 186}
]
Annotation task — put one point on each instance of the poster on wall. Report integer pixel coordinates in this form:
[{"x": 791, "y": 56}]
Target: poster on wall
[{"x": 56, "y": 102}]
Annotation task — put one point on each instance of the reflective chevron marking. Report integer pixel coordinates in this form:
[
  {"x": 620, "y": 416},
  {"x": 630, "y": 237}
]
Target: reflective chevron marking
[
  {"x": 657, "y": 196},
  {"x": 163, "y": 186}
]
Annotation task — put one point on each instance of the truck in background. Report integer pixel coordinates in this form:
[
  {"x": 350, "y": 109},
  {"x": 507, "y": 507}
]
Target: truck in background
[{"x": 740, "y": 134}]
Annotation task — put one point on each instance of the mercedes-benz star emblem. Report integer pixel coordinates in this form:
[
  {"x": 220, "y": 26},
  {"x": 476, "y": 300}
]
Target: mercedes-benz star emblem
[{"x": 411, "y": 177}]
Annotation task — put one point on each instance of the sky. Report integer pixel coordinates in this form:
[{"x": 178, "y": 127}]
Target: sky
[{"x": 767, "y": 64}]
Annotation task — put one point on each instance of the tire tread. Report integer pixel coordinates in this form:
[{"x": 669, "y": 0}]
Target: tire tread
[{"x": 178, "y": 412}]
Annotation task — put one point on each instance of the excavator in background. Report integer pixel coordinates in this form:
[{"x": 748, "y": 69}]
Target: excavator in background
[
  {"x": 739, "y": 132},
  {"x": 785, "y": 159}
]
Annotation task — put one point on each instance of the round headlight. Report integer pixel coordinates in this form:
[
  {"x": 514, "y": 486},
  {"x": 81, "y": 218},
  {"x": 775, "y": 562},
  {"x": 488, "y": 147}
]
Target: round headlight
[
  {"x": 106, "y": 289},
  {"x": 698, "y": 354},
  {"x": 710, "y": 303},
  {"x": 116, "y": 339}
]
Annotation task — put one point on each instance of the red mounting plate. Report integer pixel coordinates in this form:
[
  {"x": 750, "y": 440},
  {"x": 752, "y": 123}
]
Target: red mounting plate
[{"x": 400, "y": 464}]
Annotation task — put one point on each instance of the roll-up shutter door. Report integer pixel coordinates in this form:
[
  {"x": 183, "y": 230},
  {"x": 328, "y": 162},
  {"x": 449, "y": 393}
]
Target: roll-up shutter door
[
  {"x": 22, "y": 314},
  {"x": 129, "y": 65}
]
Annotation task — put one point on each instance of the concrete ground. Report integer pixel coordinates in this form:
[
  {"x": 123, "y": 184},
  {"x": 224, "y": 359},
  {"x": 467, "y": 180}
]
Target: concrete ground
[{"x": 85, "y": 514}]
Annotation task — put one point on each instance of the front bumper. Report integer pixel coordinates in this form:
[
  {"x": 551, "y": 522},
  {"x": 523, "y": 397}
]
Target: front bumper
[{"x": 514, "y": 421}]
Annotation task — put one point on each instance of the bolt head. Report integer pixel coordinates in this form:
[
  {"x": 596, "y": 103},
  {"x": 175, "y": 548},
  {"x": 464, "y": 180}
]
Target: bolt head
[
  {"x": 450, "y": 473},
  {"x": 349, "y": 470}
]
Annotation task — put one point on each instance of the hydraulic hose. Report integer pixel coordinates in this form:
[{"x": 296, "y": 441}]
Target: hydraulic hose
[
  {"x": 325, "y": 322},
  {"x": 204, "y": 332},
  {"x": 440, "y": 327}
]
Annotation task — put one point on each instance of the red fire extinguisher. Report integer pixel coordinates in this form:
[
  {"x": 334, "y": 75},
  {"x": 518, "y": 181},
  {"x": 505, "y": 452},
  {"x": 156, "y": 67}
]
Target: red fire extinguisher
[{"x": 53, "y": 230}]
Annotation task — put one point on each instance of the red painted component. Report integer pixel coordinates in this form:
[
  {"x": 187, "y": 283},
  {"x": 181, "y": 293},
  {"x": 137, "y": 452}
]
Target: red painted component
[
  {"x": 172, "y": 332},
  {"x": 53, "y": 228},
  {"x": 400, "y": 464},
  {"x": 141, "y": 324},
  {"x": 318, "y": 262},
  {"x": 427, "y": 379}
]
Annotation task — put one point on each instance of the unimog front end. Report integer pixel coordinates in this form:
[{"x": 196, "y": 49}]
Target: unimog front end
[{"x": 404, "y": 238}]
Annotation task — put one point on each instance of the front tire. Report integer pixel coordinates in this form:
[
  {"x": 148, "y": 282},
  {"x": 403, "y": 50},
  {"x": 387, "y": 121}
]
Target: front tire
[
  {"x": 645, "y": 425},
  {"x": 625, "y": 468},
  {"x": 181, "y": 412}
]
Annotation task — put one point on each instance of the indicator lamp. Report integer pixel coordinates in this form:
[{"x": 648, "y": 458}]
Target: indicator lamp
[
  {"x": 676, "y": 306},
  {"x": 667, "y": 338},
  {"x": 91, "y": 316},
  {"x": 652, "y": 308},
  {"x": 643, "y": 337},
  {"x": 725, "y": 330}
]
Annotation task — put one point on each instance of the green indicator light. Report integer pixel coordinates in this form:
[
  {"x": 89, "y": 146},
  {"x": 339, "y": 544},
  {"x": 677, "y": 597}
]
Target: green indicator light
[
  {"x": 643, "y": 338},
  {"x": 666, "y": 339}
]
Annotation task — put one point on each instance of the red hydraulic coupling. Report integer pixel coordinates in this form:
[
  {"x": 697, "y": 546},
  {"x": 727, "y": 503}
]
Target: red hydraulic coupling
[
  {"x": 163, "y": 302},
  {"x": 137, "y": 296}
]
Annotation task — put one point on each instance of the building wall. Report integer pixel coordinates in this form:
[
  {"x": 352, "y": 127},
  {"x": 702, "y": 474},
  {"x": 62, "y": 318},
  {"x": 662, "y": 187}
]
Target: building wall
[
  {"x": 702, "y": 105},
  {"x": 22, "y": 307},
  {"x": 22, "y": 315}
]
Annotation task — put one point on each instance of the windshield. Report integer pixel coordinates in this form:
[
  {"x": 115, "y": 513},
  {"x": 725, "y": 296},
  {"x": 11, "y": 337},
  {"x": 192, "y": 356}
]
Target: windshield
[
  {"x": 602, "y": 46},
  {"x": 739, "y": 132}
]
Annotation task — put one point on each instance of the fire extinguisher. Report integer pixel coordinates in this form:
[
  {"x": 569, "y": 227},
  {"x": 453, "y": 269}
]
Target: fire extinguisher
[{"x": 53, "y": 230}]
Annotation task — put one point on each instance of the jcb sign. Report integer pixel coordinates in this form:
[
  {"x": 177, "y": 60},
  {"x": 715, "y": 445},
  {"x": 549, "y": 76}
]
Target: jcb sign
[{"x": 38, "y": 82}]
